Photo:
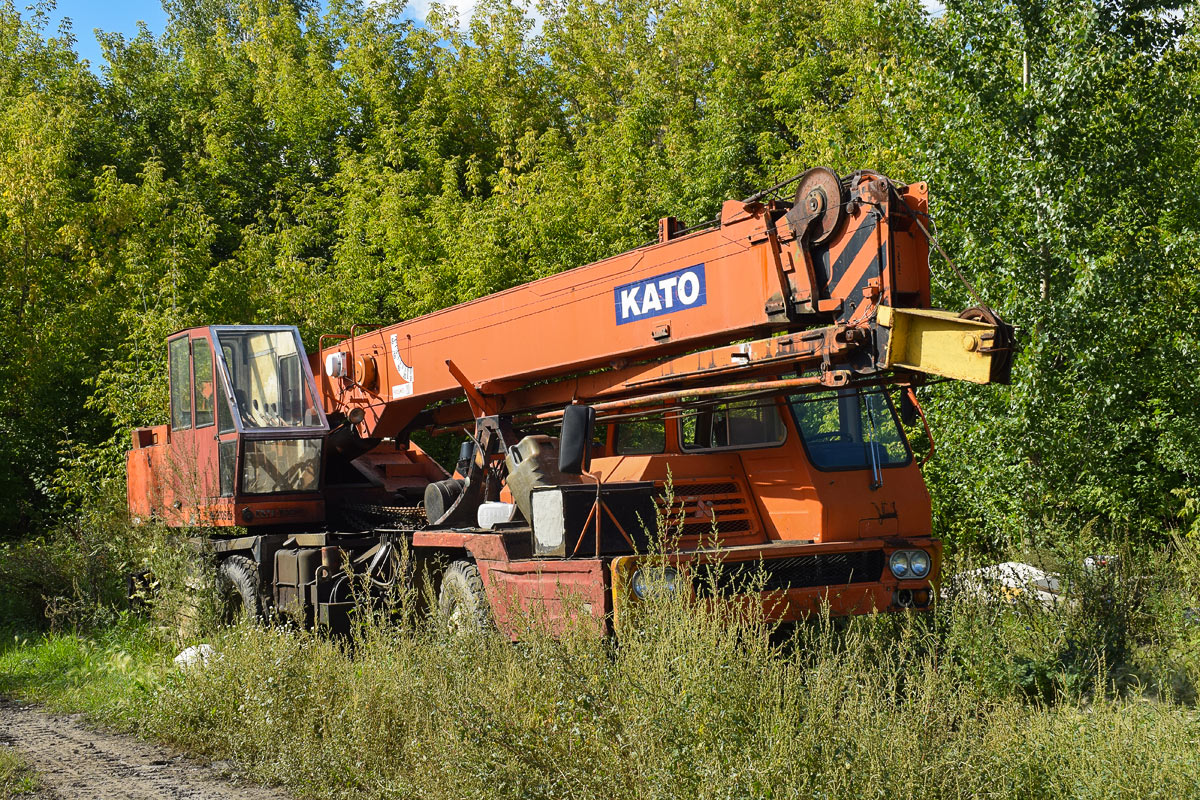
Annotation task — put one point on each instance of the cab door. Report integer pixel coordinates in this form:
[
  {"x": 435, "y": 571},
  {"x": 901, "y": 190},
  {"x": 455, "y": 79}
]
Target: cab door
[{"x": 194, "y": 478}]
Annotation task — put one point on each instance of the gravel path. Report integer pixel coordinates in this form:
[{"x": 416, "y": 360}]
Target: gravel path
[{"x": 75, "y": 762}]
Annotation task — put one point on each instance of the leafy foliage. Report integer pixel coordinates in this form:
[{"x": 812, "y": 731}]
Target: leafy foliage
[{"x": 322, "y": 164}]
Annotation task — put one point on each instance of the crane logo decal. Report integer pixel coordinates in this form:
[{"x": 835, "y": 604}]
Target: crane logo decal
[
  {"x": 662, "y": 294},
  {"x": 404, "y": 370}
]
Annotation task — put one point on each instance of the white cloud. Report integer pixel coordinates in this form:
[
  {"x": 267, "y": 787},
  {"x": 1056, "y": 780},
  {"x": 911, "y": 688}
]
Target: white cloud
[{"x": 418, "y": 10}]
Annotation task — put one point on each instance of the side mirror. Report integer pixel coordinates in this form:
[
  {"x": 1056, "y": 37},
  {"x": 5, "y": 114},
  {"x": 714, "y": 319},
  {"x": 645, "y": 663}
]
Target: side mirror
[
  {"x": 908, "y": 409},
  {"x": 575, "y": 442}
]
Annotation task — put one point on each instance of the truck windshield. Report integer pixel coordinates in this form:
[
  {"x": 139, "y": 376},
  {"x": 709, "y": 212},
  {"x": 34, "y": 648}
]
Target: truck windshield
[
  {"x": 850, "y": 429},
  {"x": 271, "y": 388}
]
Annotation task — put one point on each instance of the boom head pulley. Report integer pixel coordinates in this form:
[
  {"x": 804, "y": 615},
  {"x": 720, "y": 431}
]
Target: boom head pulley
[{"x": 819, "y": 208}]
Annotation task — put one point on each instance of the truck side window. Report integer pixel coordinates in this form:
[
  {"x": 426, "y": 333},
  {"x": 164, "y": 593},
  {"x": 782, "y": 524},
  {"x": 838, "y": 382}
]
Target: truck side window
[
  {"x": 639, "y": 437},
  {"x": 741, "y": 423},
  {"x": 181, "y": 383},
  {"x": 202, "y": 366},
  {"x": 599, "y": 440}
]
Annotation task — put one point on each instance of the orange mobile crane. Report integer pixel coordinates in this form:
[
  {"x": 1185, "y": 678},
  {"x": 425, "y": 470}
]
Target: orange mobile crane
[{"x": 751, "y": 362}]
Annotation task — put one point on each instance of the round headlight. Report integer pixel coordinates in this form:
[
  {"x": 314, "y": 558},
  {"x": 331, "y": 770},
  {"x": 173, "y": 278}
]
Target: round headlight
[
  {"x": 641, "y": 586},
  {"x": 645, "y": 582},
  {"x": 918, "y": 562},
  {"x": 898, "y": 563},
  {"x": 670, "y": 580}
]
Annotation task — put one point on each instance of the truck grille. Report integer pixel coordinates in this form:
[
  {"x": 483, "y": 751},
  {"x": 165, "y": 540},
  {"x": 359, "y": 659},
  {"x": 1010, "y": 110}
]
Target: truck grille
[
  {"x": 795, "y": 572},
  {"x": 698, "y": 503}
]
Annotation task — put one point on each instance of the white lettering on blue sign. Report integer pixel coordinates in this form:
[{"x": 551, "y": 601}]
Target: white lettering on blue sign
[{"x": 662, "y": 294}]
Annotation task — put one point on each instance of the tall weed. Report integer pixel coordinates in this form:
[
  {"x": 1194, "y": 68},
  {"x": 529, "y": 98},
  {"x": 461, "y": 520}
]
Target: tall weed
[
  {"x": 978, "y": 697},
  {"x": 699, "y": 700}
]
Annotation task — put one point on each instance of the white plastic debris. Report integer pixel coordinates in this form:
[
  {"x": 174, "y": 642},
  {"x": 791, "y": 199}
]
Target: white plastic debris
[
  {"x": 196, "y": 655},
  {"x": 1093, "y": 563},
  {"x": 1010, "y": 582}
]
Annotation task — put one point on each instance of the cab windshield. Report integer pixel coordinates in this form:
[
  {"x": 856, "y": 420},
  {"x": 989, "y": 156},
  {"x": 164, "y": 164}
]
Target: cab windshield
[
  {"x": 850, "y": 429},
  {"x": 271, "y": 384}
]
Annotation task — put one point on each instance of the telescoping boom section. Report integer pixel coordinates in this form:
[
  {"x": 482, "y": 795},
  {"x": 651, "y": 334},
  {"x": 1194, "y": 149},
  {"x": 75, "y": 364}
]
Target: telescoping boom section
[{"x": 737, "y": 383}]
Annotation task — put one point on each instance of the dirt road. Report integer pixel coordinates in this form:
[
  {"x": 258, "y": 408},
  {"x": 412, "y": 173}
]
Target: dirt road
[{"x": 74, "y": 762}]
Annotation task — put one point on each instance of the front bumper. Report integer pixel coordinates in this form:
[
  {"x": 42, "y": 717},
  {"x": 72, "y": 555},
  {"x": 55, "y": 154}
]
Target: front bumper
[{"x": 794, "y": 580}]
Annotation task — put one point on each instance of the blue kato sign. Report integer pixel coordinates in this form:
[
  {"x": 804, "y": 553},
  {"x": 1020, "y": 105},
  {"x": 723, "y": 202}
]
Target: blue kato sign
[{"x": 662, "y": 294}]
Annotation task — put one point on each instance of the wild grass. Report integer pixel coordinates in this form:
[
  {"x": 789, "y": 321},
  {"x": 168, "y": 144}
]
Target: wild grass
[
  {"x": 16, "y": 778},
  {"x": 109, "y": 673},
  {"x": 974, "y": 699}
]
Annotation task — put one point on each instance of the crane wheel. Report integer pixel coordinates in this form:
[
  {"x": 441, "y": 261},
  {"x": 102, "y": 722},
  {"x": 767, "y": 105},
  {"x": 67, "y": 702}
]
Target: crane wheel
[
  {"x": 462, "y": 602},
  {"x": 238, "y": 590}
]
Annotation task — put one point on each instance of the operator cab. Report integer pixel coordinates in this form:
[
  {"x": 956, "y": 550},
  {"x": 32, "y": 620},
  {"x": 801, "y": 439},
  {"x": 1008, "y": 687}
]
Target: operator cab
[{"x": 246, "y": 433}]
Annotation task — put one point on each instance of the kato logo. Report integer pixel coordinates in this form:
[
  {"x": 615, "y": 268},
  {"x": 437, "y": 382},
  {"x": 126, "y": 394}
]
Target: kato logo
[{"x": 662, "y": 294}]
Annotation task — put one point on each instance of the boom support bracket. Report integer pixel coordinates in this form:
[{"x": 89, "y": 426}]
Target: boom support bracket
[
  {"x": 482, "y": 405},
  {"x": 947, "y": 344}
]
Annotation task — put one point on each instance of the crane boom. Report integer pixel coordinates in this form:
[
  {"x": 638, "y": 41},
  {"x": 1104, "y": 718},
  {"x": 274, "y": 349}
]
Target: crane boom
[{"x": 757, "y": 272}]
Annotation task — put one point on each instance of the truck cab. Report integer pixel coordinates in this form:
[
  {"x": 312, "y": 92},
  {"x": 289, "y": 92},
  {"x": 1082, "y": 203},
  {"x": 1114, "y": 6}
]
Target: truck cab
[{"x": 818, "y": 467}]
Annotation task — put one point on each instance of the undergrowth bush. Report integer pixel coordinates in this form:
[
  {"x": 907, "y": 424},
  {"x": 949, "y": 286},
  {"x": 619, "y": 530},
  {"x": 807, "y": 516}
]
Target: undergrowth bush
[
  {"x": 77, "y": 575},
  {"x": 696, "y": 700},
  {"x": 73, "y": 574},
  {"x": 1122, "y": 624}
]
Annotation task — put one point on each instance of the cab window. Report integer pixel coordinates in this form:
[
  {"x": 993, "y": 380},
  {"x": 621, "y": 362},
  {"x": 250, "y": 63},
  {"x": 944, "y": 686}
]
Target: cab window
[
  {"x": 271, "y": 388},
  {"x": 639, "y": 437},
  {"x": 204, "y": 395},
  {"x": 224, "y": 415},
  {"x": 600, "y": 440},
  {"x": 740, "y": 423},
  {"x": 181, "y": 383}
]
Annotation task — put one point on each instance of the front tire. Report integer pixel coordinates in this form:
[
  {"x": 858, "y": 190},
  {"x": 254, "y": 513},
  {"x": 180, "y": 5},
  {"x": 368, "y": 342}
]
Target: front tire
[
  {"x": 237, "y": 590},
  {"x": 462, "y": 602}
]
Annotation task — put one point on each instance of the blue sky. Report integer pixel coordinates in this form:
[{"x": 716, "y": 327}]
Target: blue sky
[{"x": 121, "y": 16}]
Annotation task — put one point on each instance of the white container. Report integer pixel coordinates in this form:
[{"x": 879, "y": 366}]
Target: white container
[{"x": 491, "y": 514}]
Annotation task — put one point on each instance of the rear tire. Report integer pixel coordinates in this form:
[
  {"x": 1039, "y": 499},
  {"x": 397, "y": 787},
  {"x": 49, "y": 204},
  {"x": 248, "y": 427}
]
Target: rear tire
[
  {"x": 237, "y": 587},
  {"x": 462, "y": 602}
]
